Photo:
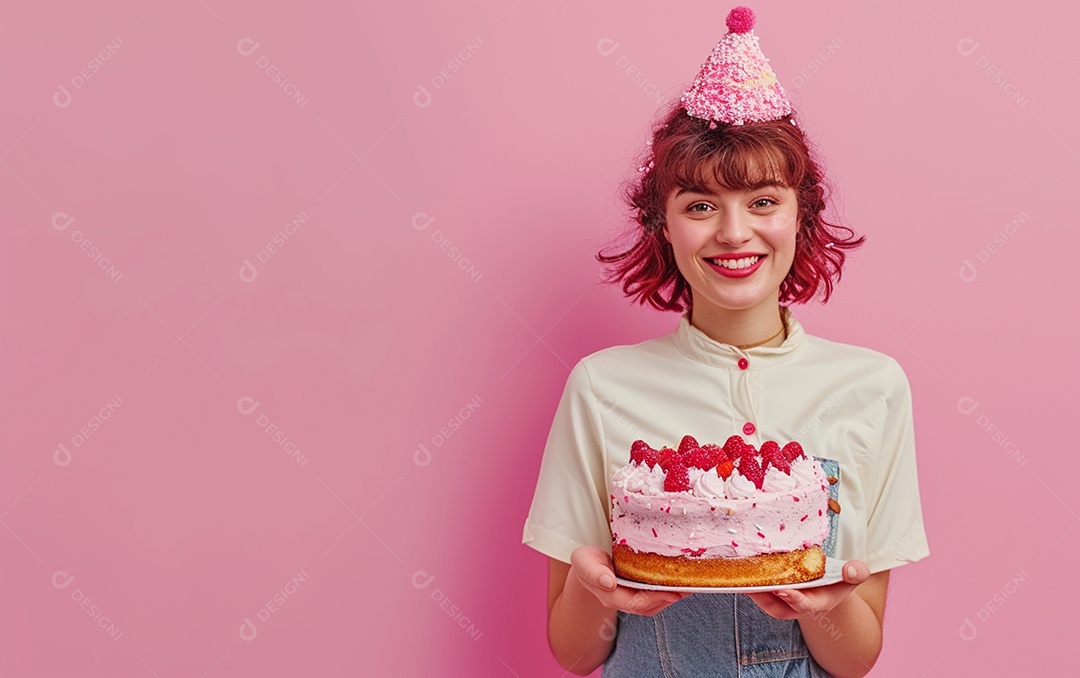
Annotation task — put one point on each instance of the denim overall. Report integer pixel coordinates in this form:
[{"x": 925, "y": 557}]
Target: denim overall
[
  {"x": 716, "y": 634},
  {"x": 710, "y": 634}
]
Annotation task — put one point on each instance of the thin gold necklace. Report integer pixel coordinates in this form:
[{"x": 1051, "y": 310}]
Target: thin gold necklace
[{"x": 782, "y": 330}]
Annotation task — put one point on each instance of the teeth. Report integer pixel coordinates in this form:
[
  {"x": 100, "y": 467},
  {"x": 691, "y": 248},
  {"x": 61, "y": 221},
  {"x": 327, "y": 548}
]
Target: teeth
[{"x": 735, "y": 264}]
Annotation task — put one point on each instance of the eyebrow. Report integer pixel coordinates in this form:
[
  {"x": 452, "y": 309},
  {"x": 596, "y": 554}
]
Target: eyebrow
[{"x": 755, "y": 187}]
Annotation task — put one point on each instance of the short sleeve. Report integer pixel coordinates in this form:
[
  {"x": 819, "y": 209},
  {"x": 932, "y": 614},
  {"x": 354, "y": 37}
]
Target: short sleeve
[
  {"x": 569, "y": 505},
  {"x": 895, "y": 533}
]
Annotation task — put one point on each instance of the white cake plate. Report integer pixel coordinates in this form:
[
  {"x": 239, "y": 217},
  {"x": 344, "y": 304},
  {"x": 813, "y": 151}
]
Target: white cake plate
[{"x": 833, "y": 575}]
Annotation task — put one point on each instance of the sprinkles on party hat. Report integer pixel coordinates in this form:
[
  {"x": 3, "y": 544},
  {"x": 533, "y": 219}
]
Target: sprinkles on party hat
[{"x": 736, "y": 85}]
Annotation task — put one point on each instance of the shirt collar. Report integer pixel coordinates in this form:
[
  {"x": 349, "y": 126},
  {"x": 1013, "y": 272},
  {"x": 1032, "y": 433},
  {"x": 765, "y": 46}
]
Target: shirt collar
[{"x": 697, "y": 345}]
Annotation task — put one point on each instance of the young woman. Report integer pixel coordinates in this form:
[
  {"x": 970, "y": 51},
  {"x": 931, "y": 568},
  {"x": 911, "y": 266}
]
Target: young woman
[{"x": 729, "y": 230}]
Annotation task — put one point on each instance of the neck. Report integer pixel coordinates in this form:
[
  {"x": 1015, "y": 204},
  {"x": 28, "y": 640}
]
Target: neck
[{"x": 742, "y": 327}]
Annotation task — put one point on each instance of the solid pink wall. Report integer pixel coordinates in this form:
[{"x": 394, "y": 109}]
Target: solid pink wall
[{"x": 438, "y": 177}]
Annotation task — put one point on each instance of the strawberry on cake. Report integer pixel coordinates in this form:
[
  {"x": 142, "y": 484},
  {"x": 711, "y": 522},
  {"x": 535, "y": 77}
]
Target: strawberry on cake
[{"x": 706, "y": 515}]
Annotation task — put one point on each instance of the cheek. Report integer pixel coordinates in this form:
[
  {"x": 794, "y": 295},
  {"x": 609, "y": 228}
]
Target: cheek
[
  {"x": 679, "y": 235},
  {"x": 784, "y": 222},
  {"x": 671, "y": 227},
  {"x": 783, "y": 230}
]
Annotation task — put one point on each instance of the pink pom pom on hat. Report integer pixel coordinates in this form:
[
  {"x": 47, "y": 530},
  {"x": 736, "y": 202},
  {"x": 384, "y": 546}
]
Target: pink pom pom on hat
[{"x": 736, "y": 85}]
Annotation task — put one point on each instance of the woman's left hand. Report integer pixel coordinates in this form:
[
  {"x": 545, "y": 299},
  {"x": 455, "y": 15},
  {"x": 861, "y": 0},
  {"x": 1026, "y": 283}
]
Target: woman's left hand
[{"x": 819, "y": 600}]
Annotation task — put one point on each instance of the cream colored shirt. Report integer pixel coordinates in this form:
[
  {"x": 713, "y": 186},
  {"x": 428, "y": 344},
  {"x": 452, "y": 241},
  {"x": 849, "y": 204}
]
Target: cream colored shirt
[{"x": 841, "y": 402}]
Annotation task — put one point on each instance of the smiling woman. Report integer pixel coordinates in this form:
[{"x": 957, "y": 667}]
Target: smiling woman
[{"x": 728, "y": 228}]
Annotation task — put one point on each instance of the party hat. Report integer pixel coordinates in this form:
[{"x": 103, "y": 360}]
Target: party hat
[{"x": 736, "y": 85}]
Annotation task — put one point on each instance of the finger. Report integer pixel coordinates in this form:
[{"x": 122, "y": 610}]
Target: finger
[
  {"x": 589, "y": 554},
  {"x": 773, "y": 606},
  {"x": 796, "y": 600},
  {"x": 639, "y": 602},
  {"x": 823, "y": 598},
  {"x": 655, "y": 610},
  {"x": 856, "y": 572},
  {"x": 593, "y": 566},
  {"x": 644, "y": 600}
]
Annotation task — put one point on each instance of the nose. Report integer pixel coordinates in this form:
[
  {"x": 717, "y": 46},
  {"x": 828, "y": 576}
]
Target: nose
[{"x": 732, "y": 228}]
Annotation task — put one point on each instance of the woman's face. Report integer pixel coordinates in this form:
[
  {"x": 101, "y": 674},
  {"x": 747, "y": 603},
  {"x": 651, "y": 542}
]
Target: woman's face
[{"x": 733, "y": 247}]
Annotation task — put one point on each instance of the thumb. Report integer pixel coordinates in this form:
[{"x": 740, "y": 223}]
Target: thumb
[
  {"x": 593, "y": 566},
  {"x": 856, "y": 572}
]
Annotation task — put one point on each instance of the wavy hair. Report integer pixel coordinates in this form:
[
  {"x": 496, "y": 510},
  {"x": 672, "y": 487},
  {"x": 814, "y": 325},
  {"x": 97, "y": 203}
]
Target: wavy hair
[{"x": 686, "y": 153}]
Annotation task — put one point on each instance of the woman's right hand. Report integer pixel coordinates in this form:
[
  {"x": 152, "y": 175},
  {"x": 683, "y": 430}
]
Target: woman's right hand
[{"x": 592, "y": 566}]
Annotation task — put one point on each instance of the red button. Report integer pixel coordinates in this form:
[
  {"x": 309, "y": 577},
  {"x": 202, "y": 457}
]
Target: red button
[
  {"x": 743, "y": 363},
  {"x": 748, "y": 428}
]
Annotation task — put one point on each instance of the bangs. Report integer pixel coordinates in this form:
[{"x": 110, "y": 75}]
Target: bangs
[{"x": 733, "y": 162}]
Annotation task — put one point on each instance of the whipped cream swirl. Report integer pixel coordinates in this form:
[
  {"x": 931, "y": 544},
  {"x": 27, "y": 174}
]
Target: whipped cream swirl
[{"x": 738, "y": 486}]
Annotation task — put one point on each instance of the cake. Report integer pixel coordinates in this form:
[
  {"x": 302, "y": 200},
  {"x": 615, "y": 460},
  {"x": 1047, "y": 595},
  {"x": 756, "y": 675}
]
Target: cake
[{"x": 712, "y": 516}]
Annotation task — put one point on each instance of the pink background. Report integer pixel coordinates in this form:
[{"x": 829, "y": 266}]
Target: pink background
[{"x": 189, "y": 436}]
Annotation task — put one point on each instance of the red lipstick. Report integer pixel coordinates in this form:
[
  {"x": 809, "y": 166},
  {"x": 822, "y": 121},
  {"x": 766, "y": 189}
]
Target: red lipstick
[{"x": 735, "y": 272}]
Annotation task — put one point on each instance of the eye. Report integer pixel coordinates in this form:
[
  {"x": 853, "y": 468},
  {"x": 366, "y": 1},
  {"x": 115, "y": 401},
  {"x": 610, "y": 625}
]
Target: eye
[
  {"x": 763, "y": 202},
  {"x": 699, "y": 207}
]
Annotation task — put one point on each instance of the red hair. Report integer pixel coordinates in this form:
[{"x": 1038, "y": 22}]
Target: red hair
[{"x": 685, "y": 153}]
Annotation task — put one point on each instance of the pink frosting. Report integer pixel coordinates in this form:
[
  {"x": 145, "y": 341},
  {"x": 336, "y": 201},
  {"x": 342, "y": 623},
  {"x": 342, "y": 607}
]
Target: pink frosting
[{"x": 710, "y": 526}]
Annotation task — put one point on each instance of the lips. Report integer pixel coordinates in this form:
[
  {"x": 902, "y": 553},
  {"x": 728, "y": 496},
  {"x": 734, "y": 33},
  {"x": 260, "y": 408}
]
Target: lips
[{"x": 737, "y": 265}]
